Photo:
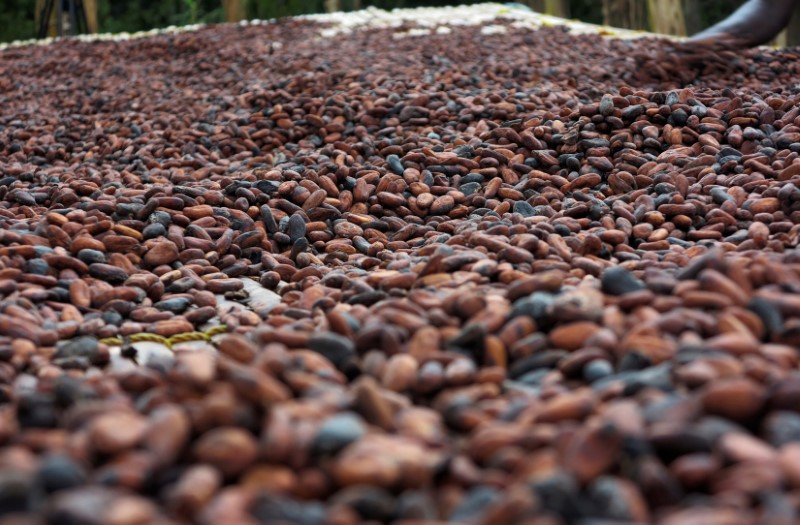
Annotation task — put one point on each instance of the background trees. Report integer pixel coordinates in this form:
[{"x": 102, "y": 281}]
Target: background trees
[{"x": 17, "y": 17}]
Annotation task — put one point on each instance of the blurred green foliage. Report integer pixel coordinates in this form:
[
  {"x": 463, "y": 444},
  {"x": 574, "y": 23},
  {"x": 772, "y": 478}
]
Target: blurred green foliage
[
  {"x": 115, "y": 16},
  {"x": 17, "y": 19},
  {"x": 17, "y": 16},
  {"x": 279, "y": 8}
]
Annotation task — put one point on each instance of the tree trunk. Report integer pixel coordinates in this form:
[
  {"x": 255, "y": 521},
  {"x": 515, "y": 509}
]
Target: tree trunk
[
  {"x": 37, "y": 15},
  {"x": 536, "y": 5},
  {"x": 331, "y": 6},
  {"x": 626, "y": 14},
  {"x": 234, "y": 10},
  {"x": 791, "y": 35},
  {"x": 666, "y": 17},
  {"x": 557, "y": 8},
  {"x": 90, "y": 9},
  {"x": 691, "y": 14},
  {"x": 51, "y": 24}
]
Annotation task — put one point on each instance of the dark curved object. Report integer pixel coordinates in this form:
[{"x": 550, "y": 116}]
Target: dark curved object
[
  {"x": 756, "y": 22},
  {"x": 77, "y": 17}
]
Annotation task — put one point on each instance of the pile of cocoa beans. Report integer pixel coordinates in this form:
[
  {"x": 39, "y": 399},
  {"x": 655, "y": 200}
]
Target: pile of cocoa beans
[{"x": 527, "y": 277}]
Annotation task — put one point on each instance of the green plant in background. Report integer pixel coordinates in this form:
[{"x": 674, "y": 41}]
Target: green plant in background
[
  {"x": 114, "y": 16},
  {"x": 265, "y": 9},
  {"x": 137, "y": 15},
  {"x": 191, "y": 9},
  {"x": 17, "y": 20}
]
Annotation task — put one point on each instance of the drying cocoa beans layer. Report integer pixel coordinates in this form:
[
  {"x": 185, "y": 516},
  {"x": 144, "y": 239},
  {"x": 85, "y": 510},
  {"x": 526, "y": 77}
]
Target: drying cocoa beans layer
[{"x": 527, "y": 277}]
